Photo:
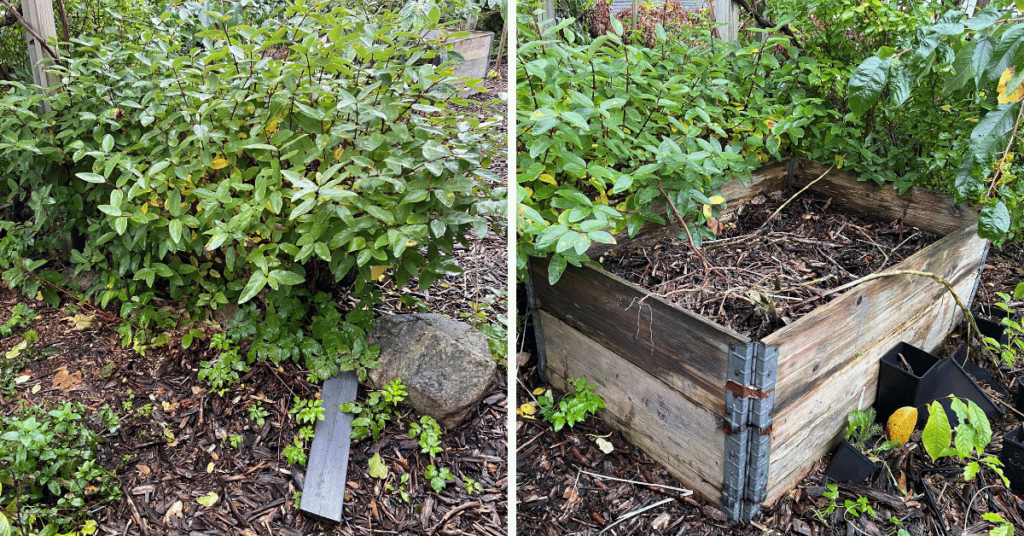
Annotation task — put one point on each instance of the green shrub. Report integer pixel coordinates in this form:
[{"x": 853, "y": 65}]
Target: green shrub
[
  {"x": 611, "y": 135},
  {"x": 203, "y": 170},
  {"x": 48, "y": 468}
]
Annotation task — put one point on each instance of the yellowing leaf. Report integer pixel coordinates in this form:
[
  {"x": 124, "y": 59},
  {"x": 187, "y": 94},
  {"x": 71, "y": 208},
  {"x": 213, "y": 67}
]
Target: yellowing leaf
[
  {"x": 271, "y": 126},
  {"x": 528, "y": 408},
  {"x": 839, "y": 161},
  {"x": 209, "y": 499},
  {"x": 548, "y": 178},
  {"x": 209, "y": 467},
  {"x": 378, "y": 469},
  {"x": 81, "y": 322},
  {"x": 1016, "y": 96},
  {"x": 716, "y": 200},
  {"x": 901, "y": 424},
  {"x": 605, "y": 445},
  {"x": 145, "y": 208},
  {"x": 707, "y": 211},
  {"x": 219, "y": 163},
  {"x": 377, "y": 272},
  {"x": 538, "y": 114},
  {"x": 538, "y": 391},
  {"x": 36, "y": 388}
]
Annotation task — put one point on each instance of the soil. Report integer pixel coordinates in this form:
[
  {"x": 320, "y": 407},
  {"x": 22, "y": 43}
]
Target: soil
[
  {"x": 180, "y": 452},
  {"x": 764, "y": 278},
  {"x": 554, "y": 496}
]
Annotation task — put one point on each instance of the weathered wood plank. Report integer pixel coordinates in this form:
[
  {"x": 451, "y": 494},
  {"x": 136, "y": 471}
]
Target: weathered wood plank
[
  {"x": 919, "y": 207},
  {"x": 684, "y": 350},
  {"x": 684, "y": 437},
  {"x": 766, "y": 179},
  {"x": 811, "y": 426},
  {"x": 327, "y": 470},
  {"x": 826, "y": 340}
]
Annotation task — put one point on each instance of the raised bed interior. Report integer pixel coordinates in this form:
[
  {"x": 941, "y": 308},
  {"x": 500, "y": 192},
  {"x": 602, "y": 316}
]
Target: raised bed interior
[{"x": 736, "y": 419}]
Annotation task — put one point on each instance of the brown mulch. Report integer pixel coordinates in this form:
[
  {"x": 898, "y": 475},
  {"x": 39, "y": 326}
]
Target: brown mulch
[
  {"x": 180, "y": 452},
  {"x": 763, "y": 279},
  {"x": 555, "y": 498}
]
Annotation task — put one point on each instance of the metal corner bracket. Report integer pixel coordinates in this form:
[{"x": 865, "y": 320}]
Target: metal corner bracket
[{"x": 749, "y": 403}]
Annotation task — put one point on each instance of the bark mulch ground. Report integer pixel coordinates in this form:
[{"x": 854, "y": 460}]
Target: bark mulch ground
[
  {"x": 182, "y": 450},
  {"x": 554, "y": 496}
]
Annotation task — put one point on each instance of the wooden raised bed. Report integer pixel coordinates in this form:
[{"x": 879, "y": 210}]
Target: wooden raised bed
[
  {"x": 742, "y": 421},
  {"x": 475, "y": 50}
]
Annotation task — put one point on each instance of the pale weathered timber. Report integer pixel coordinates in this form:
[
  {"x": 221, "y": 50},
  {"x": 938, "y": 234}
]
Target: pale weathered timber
[
  {"x": 827, "y": 339},
  {"x": 327, "y": 472},
  {"x": 684, "y": 437},
  {"x": 39, "y": 15},
  {"x": 683, "y": 349},
  {"x": 812, "y": 425},
  {"x": 917, "y": 207},
  {"x": 475, "y": 50}
]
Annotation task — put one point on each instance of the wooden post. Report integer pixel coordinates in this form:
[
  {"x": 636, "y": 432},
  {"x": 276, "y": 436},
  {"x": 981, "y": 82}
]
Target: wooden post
[
  {"x": 728, "y": 12},
  {"x": 327, "y": 472},
  {"x": 39, "y": 16},
  {"x": 970, "y": 6},
  {"x": 548, "y": 18}
]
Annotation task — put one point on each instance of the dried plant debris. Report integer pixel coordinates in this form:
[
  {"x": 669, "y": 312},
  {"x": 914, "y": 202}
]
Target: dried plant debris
[{"x": 761, "y": 281}]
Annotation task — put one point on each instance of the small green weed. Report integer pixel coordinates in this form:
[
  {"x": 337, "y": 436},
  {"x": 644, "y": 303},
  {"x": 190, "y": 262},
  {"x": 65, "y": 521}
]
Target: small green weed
[
  {"x": 573, "y": 408},
  {"x": 306, "y": 412},
  {"x": 471, "y": 486},
  {"x": 859, "y": 507},
  {"x": 973, "y": 434},
  {"x": 258, "y": 414},
  {"x": 21, "y": 316},
  {"x": 399, "y": 487},
  {"x": 430, "y": 435},
  {"x": 439, "y": 478},
  {"x": 378, "y": 408}
]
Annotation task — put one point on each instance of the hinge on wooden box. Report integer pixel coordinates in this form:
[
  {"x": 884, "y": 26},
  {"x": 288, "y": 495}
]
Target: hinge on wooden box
[{"x": 749, "y": 401}]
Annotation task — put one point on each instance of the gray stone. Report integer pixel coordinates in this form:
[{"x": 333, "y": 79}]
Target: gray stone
[
  {"x": 445, "y": 365},
  {"x": 224, "y": 314}
]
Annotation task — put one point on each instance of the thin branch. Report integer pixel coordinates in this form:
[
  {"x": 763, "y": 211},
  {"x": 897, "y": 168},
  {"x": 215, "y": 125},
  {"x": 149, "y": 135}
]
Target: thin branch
[
  {"x": 64, "y": 22},
  {"x": 778, "y": 210},
  {"x": 683, "y": 223},
  {"x": 766, "y": 23}
]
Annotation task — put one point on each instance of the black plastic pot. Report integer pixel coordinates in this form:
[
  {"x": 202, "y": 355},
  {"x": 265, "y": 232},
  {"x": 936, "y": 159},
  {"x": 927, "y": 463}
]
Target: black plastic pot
[
  {"x": 988, "y": 319},
  {"x": 1012, "y": 457},
  {"x": 849, "y": 465},
  {"x": 950, "y": 378},
  {"x": 898, "y": 387}
]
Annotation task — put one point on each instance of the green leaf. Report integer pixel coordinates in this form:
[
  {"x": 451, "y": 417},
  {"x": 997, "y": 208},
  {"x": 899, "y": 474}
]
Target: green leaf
[
  {"x": 174, "y": 226},
  {"x": 899, "y": 86},
  {"x": 5, "y": 525},
  {"x": 937, "y": 433},
  {"x": 994, "y": 222},
  {"x": 866, "y": 84},
  {"x": 91, "y": 177},
  {"x": 378, "y": 469},
  {"x": 256, "y": 284},
  {"x": 983, "y": 19},
  {"x": 555, "y": 268},
  {"x": 996, "y": 122},
  {"x": 286, "y": 277},
  {"x": 108, "y": 143}
]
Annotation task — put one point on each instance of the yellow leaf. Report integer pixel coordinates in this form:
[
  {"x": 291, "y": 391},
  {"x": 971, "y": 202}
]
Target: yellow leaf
[
  {"x": 219, "y": 163},
  {"x": 209, "y": 467},
  {"x": 145, "y": 208},
  {"x": 707, "y": 211},
  {"x": 209, "y": 499},
  {"x": 271, "y": 126},
  {"x": 603, "y": 199},
  {"x": 1016, "y": 95},
  {"x": 548, "y": 178},
  {"x": 901, "y": 424},
  {"x": 716, "y": 200},
  {"x": 377, "y": 272},
  {"x": 36, "y": 388},
  {"x": 538, "y": 391}
]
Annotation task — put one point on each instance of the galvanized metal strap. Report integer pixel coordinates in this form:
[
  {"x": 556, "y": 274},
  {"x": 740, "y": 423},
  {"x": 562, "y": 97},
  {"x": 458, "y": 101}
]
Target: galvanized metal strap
[{"x": 749, "y": 402}]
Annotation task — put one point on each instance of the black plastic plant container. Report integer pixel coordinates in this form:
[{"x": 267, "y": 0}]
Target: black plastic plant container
[
  {"x": 989, "y": 320},
  {"x": 897, "y": 386},
  {"x": 979, "y": 373},
  {"x": 1012, "y": 457},
  {"x": 949, "y": 378},
  {"x": 849, "y": 465}
]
